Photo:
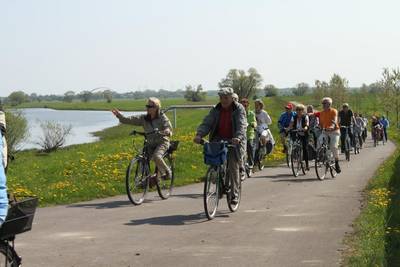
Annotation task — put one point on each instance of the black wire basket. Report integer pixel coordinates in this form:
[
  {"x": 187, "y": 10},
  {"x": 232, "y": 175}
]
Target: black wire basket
[{"x": 19, "y": 217}]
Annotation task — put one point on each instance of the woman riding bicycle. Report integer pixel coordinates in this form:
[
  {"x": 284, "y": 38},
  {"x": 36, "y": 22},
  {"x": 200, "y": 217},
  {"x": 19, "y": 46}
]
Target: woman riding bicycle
[
  {"x": 158, "y": 124},
  {"x": 300, "y": 122}
]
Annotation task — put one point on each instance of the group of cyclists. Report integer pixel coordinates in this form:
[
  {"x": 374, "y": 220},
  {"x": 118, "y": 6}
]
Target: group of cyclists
[{"x": 248, "y": 131}]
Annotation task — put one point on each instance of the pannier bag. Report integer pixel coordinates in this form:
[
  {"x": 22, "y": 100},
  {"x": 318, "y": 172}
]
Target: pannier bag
[{"x": 215, "y": 153}]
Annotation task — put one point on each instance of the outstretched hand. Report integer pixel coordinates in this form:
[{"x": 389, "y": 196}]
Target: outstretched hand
[{"x": 116, "y": 112}]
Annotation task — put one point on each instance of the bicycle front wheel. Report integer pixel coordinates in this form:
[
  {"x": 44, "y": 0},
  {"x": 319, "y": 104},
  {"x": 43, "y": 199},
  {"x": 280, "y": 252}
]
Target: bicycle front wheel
[
  {"x": 165, "y": 186},
  {"x": 320, "y": 164},
  {"x": 234, "y": 206},
  {"x": 296, "y": 161},
  {"x": 137, "y": 182},
  {"x": 211, "y": 192},
  {"x": 8, "y": 256}
]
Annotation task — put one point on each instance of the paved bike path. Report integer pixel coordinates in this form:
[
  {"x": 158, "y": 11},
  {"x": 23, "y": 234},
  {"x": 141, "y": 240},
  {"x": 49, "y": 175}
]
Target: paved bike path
[{"x": 282, "y": 221}]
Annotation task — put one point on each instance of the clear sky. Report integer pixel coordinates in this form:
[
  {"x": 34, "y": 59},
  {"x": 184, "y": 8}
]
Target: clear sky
[{"x": 51, "y": 46}]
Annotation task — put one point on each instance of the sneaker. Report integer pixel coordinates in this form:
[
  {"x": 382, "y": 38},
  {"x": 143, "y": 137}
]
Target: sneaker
[{"x": 337, "y": 167}]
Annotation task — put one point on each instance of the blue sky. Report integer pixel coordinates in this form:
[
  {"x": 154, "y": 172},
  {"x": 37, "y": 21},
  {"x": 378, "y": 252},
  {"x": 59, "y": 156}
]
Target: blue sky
[{"x": 51, "y": 46}]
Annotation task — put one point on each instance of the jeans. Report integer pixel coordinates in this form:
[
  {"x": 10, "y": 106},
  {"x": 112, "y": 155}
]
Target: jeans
[{"x": 385, "y": 133}]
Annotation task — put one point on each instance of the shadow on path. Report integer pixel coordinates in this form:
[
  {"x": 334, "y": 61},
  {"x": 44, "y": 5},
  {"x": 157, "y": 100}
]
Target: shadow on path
[
  {"x": 193, "y": 196},
  {"x": 103, "y": 205},
  {"x": 172, "y": 220}
]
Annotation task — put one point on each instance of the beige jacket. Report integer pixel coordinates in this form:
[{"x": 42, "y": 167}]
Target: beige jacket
[{"x": 161, "y": 123}]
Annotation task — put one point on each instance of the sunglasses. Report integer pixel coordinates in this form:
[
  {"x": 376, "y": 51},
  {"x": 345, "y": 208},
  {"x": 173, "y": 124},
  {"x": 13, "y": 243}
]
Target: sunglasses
[{"x": 150, "y": 106}]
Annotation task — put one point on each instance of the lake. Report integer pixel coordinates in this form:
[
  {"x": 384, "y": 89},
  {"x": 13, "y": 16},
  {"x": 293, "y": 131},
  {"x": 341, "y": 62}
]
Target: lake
[{"x": 84, "y": 123}]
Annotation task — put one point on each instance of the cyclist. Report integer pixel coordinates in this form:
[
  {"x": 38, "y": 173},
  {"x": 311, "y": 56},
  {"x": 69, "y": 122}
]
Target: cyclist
[
  {"x": 251, "y": 125},
  {"x": 158, "y": 142},
  {"x": 314, "y": 122},
  {"x": 358, "y": 127},
  {"x": 301, "y": 122},
  {"x": 263, "y": 122},
  {"x": 283, "y": 123},
  {"x": 346, "y": 118},
  {"x": 364, "y": 133},
  {"x": 385, "y": 124},
  {"x": 328, "y": 120},
  {"x": 3, "y": 187},
  {"x": 227, "y": 121},
  {"x": 376, "y": 127},
  {"x": 3, "y": 129}
]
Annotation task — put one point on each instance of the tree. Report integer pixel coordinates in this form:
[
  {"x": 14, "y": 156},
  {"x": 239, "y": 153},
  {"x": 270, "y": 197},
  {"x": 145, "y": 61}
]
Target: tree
[
  {"x": 108, "y": 95},
  {"x": 69, "y": 96},
  {"x": 301, "y": 89},
  {"x": 321, "y": 90},
  {"x": 338, "y": 88},
  {"x": 270, "y": 90},
  {"x": 17, "y": 131},
  {"x": 54, "y": 135},
  {"x": 195, "y": 95},
  {"x": 17, "y": 98},
  {"x": 85, "y": 96},
  {"x": 390, "y": 91},
  {"x": 244, "y": 85}
]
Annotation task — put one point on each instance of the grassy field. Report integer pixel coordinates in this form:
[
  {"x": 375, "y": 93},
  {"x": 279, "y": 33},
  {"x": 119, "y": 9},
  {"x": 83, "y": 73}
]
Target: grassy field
[
  {"x": 124, "y": 105},
  {"x": 89, "y": 171}
]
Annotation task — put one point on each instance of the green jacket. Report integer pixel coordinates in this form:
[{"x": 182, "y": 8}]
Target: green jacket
[{"x": 251, "y": 124}]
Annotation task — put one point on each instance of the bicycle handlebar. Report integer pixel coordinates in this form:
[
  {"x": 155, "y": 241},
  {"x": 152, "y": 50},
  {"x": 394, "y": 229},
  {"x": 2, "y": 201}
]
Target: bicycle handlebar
[
  {"x": 228, "y": 143},
  {"x": 156, "y": 131}
]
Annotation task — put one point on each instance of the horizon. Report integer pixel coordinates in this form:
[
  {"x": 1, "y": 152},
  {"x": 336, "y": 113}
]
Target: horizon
[{"x": 53, "y": 47}]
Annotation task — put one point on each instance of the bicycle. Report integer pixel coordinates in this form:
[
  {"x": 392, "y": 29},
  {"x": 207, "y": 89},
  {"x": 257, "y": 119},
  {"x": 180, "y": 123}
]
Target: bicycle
[
  {"x": 377, "y": 135},
  {"x": 19, "y": 220},
  {"x": 347, "y": 142},
  {"x": 217, "y": 181},
  {"x": 296, "y": 156},
  {"x": 138, "y": 174},
  {"x": 324, "y": 159}
]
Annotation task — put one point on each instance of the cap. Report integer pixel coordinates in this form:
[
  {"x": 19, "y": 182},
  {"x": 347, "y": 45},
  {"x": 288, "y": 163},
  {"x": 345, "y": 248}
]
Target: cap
[
  {"x": 289, "y": 106},
  {"x": 225, "y": 91}
]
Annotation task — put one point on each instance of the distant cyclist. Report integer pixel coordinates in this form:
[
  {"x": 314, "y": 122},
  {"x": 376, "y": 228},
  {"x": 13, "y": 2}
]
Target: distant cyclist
[
  {"x": 385, "y": 124},
  {"x": 251, "y": 126},
  {"x": 346, "y": 119},
  {"x": 300, "y": 122},
  {"x": 158, "y": 142},
  {"x": 358, "y": 127},
  {"x": 263, "y": 122},
  {"x": 283, "y": 123},
  {"x": 328, "y": 120},
  {"x": 314, "y": 123}
]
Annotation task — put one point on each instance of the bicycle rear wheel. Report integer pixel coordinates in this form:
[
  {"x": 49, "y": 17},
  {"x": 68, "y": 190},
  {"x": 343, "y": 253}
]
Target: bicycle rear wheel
[
  {"x": 165, "y": 186},
  {"x": 347, "y": 149},
  {"x": 321, "y": 168},
  {"x": 211, "y": 192},
  {"x": 137, "y": 182},
  {"x": 8, "y": 256}
]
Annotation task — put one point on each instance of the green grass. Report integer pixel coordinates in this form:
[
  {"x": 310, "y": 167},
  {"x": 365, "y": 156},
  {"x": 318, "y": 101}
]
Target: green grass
[
  {"x": 96, "y": 170},
  {"x": 126, "y": 105}
]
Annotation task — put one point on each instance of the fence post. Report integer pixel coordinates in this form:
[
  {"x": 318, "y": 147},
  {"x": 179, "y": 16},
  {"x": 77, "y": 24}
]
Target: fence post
[{"x": 175, "y": 118}]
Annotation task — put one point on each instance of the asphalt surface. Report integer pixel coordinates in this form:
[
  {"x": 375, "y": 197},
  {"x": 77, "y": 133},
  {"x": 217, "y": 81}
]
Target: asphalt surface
[{"x": 282, "y": 221}]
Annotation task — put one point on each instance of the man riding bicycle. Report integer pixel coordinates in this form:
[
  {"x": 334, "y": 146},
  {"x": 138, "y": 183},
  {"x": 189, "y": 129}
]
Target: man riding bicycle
[
  {"x": 346, "y": 119},
  {"x": 300, "y": 122},
  {"x": 283, "y": 124},
  {"x": 328, "y": 120},
  {"x": 159, "y": 141},
  {"x": 227, "y": 121}
]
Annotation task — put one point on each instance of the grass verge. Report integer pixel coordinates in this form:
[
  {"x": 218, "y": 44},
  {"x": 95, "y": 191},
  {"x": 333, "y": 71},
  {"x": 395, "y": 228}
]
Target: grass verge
[{"x": 376, "y": 238}]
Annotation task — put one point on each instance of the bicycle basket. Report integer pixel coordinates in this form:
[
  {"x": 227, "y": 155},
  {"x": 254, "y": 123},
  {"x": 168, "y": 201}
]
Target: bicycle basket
[
  {"x": 19, "y": 218},
  {"x": 215, "y": 153}
]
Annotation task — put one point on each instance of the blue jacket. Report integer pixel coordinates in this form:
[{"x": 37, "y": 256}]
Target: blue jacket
[
  {"x": 384, "y": 122},
  {"x": 3, "y": 187},
  {"x": 284, "y": 120}
]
